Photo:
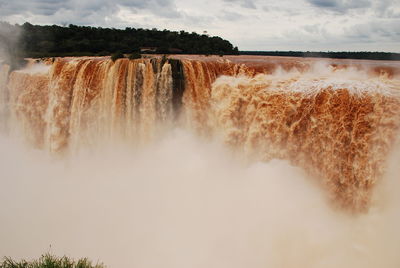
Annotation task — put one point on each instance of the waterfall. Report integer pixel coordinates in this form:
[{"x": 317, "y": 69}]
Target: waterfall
[{"x": 337, "y": 122}]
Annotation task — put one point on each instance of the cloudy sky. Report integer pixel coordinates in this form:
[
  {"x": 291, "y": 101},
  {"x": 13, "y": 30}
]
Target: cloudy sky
[{"x": 308, "y": 25}]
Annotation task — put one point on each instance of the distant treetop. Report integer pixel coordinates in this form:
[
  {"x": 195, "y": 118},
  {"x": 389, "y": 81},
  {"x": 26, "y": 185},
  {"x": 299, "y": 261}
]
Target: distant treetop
[
  {"x": 27, "y": 40},
  {"x": 54, "y": 40}
]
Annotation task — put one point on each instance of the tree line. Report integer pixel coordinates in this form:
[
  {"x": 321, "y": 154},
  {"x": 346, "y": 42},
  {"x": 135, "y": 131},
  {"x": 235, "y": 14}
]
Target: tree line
[
  {"x": 73, "y": 40},
  {"x": 365, "y": 55},
  {"x": 36, "y": 41}
]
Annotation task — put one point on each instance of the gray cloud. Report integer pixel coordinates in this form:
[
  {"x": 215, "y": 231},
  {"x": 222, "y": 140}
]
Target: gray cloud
[
  {"x": 341, "y": 6},
  {"x": 231, "y": 16},
  {"x": 250, "y": 24},
  {"x": 88, "y": 11},
  {"x": 40, "y": 7},
  {"x": 387, "y": 9},
  {"x": 375, "y": 35},
  {"x": 243, "y": 3},
  {"x": 375, "y": 31},
  {"x": 324, "y": 3}
]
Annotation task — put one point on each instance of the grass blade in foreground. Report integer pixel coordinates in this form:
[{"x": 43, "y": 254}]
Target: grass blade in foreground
[{"x": 50, "y": 261}]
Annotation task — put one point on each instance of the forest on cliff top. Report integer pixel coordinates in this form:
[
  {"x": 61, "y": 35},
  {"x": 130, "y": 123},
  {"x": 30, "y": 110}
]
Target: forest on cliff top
[
  {"x": 35, "y": 41},
  {"x": 29, "y": 40}
]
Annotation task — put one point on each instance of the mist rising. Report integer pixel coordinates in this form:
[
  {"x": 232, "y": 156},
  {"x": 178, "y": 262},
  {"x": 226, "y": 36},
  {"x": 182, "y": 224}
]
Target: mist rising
[{"x": 202, "y": 163}]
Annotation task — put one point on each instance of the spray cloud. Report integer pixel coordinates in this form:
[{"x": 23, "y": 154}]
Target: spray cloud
[{"x": 180, "y": 201}]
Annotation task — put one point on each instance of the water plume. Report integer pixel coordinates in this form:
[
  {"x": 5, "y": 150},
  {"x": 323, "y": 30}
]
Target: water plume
[
  {"x": 183, "y": 203},
  {"x": 202, "y": 162},
  {"x": 4, "y": 110},
  {"x": 10, "y": 52}
]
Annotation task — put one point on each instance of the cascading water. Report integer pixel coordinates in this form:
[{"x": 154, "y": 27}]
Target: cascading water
[
  {"x": 339, "y": 124},
  {"x": 81, "y": 101},
  {"x": 337, "y": 121},
  {"x": 337, "y": 128}
]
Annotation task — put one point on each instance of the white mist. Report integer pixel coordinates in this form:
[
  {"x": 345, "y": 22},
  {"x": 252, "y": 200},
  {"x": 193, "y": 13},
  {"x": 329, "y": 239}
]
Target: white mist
[{"x": 184, "y": 203}]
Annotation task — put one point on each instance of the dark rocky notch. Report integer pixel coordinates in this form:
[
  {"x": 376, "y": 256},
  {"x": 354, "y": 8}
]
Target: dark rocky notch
[{"x": 178, "y": 85}]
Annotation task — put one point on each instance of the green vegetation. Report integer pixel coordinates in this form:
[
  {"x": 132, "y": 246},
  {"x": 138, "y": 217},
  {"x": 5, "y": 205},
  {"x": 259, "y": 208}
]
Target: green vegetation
[
  {"x": 335, "y": 55},
  {"x": 49, "y": 261},
  {"x": 117, "y": 55},
  {"x": 27, "y": 40},
  {"x": 54, "y": 40},
  {"x": 135, "y": 55}
]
